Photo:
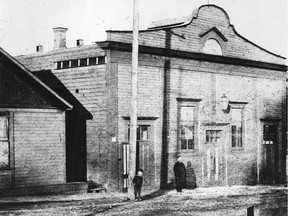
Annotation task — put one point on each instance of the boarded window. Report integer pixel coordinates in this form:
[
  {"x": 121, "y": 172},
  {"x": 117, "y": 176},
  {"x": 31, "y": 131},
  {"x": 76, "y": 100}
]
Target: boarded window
[
  {"x": 236, "y": 127},
  {"x": 4, "y": 141},
  {"x": 269, "y": 134},
  {"x": 187, "y": 127}
]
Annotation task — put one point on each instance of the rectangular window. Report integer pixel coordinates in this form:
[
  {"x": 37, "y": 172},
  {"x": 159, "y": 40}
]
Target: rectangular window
[
  {"x": 65, "y": 64},
  {"x": 187, "y": 127},
  {"x": 58, "y": 65},
  {"x": 83, "y": 62},
  {"x": 101, "y": 60},
  {"x": 92, "y": 61},
  {"x": 236, "y": 127},
  {"x": 212, "y": 136},
  {"x": 142, "y": 133},
  {"x": 269, "y": 134},
  {"x": 4, "y": 141},
  {"x": 74, "y": 63}
]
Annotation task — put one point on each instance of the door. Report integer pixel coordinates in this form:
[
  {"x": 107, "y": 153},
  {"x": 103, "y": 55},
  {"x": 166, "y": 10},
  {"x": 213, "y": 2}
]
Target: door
[
  {"x": 214, "y": 163},
  {"x": 144, "y": 155},
  {"x": 269, "y": 153}
]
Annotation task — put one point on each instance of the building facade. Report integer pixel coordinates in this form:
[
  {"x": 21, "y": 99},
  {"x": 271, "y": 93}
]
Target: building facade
[
  {"x": 204, "y": 91},
  {"x": 32, "y": 131}
]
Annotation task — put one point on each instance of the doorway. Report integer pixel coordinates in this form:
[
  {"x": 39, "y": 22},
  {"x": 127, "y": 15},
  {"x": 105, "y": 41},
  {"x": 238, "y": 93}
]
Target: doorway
[
  {"x": 270, "y": 144},
  {"x": 214, "y": 161},
  {"x": 144, "y": 154}
]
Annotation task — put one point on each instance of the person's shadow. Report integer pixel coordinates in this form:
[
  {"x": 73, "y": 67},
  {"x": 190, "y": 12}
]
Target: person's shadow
[{"x": 190, "y": 176}]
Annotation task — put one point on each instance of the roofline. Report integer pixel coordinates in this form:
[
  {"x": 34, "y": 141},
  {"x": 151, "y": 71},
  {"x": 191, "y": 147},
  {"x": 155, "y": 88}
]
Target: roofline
[
  {"x": 127, "y": 47},
  {"x": 35, "y": 78},
  {"x": 58, "y": 51},
  {"x": 195, "y": 16}
]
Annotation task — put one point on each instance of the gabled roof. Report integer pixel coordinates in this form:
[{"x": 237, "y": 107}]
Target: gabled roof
[
  {"x": 24, "y": 71},
  {"x": 56, "y": 85}
]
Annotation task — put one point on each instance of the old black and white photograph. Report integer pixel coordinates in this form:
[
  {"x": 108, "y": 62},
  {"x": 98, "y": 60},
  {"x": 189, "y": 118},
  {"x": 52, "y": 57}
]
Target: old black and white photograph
[{"x": 142, "y": 107}]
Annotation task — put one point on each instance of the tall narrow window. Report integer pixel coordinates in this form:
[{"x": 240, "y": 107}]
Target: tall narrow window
[
  {"x": 4, "y": 141},
  {"x": 236, "y": 127},
  {"x": 187, "y": 127}
]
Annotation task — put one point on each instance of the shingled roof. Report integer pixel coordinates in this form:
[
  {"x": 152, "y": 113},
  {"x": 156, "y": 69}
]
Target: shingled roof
[{"x": 21, "y": 89}]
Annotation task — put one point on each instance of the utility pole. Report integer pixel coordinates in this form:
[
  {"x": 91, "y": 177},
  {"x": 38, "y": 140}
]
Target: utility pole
[{"x": 133, "y": 114}]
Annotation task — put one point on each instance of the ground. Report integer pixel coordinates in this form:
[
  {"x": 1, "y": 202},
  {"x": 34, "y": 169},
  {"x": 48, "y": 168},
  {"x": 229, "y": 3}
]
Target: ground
[{"x": 236, "y": 200}]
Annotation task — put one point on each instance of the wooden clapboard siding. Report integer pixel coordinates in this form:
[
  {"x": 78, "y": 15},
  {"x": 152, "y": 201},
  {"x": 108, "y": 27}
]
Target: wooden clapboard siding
[
  {"x": 92, "y": 84},
  {"x": 39, "y": 148}
]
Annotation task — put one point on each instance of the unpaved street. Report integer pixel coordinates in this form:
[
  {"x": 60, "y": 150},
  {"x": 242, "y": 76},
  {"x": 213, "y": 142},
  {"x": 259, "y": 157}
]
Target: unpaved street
[{"x": 201, "y": 201}]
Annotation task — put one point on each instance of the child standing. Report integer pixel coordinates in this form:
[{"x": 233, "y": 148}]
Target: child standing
[{"x": 137, "y": 182}]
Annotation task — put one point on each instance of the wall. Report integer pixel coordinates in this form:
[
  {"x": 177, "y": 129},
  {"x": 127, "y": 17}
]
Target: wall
[
  {"x": 208, "y": 82},
  {"x": 37, "y": 148},
  {"x": 92, "y": 85}
]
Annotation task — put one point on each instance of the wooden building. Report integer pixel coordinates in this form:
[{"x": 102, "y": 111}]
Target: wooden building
[
  {"x": 32, "y": 132},
  {"x": 205, "y": 92}
]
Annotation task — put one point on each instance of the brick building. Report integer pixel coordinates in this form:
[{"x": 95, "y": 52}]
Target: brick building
[
  {"x": 32, "y": 132},
  {"x": 205, "y": 92}
]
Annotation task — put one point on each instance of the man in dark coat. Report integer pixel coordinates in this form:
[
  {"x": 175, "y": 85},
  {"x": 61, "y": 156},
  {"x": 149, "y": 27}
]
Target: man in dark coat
[{"x": 180, "y": 175}]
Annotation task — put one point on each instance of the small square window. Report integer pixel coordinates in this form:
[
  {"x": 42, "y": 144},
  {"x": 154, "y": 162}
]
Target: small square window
[
  {"x": 101, "y": 60},
  {"x": 92, "y": 61},
  {"x": 83, "y": 62},
  {"x": 65, "y": 64},
  {"x": 74, "y": 63}
]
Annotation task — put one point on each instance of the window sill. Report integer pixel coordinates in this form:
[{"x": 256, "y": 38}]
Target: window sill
[
  {"x": 236, "y": 149},
  {"x": 189, "y": 151}
]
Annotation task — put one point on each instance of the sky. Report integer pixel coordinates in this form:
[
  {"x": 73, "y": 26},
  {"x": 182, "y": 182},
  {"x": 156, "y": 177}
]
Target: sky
[{"x": 26, "y": 23}]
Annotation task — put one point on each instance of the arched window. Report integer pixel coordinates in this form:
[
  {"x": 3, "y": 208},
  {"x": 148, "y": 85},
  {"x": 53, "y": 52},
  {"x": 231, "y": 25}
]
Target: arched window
[{"x": 212, "y": 47}]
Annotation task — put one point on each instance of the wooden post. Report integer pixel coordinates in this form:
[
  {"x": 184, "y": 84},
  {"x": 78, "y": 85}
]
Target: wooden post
[{"x": 133, "y": 114}]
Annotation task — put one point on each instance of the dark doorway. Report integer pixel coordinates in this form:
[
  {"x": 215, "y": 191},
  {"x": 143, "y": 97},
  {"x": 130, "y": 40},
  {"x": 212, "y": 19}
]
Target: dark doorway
[{"x": 269, "y": 153}]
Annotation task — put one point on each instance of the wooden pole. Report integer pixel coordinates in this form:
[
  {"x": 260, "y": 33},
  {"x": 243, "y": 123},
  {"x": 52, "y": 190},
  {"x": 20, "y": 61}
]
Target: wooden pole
[{"x": 133, "y": 117}]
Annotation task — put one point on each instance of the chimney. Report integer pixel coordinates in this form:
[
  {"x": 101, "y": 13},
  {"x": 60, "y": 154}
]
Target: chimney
[
  {"x": 39, "y": 48},
  {"x": 79, "y": 42},
  {"x": 60, "y": 38}
]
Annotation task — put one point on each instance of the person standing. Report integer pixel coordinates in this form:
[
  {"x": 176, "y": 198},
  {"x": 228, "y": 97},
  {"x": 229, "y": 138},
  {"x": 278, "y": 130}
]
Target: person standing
[
  {"x": 137, "y": 182},
  {"x": 180, "y": 175}
]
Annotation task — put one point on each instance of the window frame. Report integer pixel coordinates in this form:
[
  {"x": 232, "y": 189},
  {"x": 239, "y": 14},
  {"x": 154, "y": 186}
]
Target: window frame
[
  {"x": 10, "y": 140},
  {"x": 218, "y": 133},
  {"x": 189, "y": 102},
  {"x": 241, "y": 106}
]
